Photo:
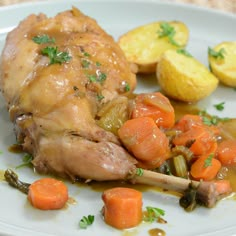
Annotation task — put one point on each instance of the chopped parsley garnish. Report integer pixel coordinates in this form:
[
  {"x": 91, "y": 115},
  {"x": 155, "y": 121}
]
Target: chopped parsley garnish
[
  {"x": 153, "y": 214},
  {"x": 41, "y": 39},
  {"x": 139, "y": 171},
  {"x": 127, "y": 87},
  {"x": 86, "y": 54},
  {"x": 101, "y": 77},
  {"x": 56, "y": 56},
  {"x": 208, "y": 160},
  {"x": 167, "y": 31},
  {"x": 207, "y": 119},
  {"x": 220, "y": 106},
  {"x": 27, "y": 159},
  {"x": 216, "y": 54},
  {"x": 100, "y": 97},
  {"x": 92, "y": 78},
  {"x": 98, "y": 63},
  {"x": 85, "y": 64},
  {"x": 86, "y": 221},
  {"x": 184, "y": 52},
  {"x": 210, "y": 120}
]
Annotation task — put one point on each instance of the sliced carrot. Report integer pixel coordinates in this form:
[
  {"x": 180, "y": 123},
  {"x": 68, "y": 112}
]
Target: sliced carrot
[
  {"x": 48, "y": 194},
  {"x": 187, "y": 122},
  {"x": 156, "y": 106},
  {"x": 223, "y": 186},
  {"x": 122, "y": 207},
  {"x": 226, "y": 152},
  {"x": 199, "y": 139},
  {"x": 205, "y": 168},
  {"x": 205, "y": 144},
  {"x": 145, "y": 140}
]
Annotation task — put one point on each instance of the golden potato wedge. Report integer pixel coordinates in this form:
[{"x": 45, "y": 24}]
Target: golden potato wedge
[
  {"x": 222, "y": 60},
  {"x": 145, "y": 44},
  {"x": 184, "y": 78}
]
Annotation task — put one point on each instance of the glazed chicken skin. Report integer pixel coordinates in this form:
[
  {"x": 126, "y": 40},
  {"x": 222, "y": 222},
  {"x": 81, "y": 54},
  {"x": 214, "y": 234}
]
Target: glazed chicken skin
[{"x": 53, "y": 103}]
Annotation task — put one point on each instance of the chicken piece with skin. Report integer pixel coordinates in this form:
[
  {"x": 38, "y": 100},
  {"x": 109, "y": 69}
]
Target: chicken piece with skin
[{"x": 54, "y": 89}]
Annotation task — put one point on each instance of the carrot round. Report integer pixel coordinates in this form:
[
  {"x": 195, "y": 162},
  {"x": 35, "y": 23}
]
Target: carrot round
[
  {"x": 187, "y": 122},
  {"x": 155, "y": 106},
  {"x": 48, "y": 194},
  {"x": 200, "y": 140},
  {"x": 205, "y": 168},
  {"x": 190, "y": 121},
  {"x": 145, "y": 140},
  {"x": 226, "y": 152},
  {"x": 122, "y": 207}
]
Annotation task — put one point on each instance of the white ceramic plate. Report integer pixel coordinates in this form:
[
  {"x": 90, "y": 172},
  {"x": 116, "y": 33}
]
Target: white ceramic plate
[{"x": 207, "y": 28}]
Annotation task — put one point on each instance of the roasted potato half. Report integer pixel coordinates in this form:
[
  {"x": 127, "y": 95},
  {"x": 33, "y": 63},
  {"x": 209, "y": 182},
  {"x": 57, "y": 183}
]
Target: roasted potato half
[
  {"x": 222, "y": 60},
  {"x": 184, "y": 78},
  {"x": 144, "y": 45}
]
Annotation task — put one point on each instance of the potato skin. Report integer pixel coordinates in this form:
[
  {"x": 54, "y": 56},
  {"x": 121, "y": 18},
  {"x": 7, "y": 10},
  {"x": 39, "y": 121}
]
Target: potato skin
[
  {"x": 225, "y": 68},
  {"x": 143, "y": 46},
  {"x": 184, "y": 78}
]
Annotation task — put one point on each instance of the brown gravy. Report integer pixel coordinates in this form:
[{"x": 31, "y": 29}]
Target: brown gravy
[
  {"x": 156, "y": 232},
  {"x": 15, "y": 148}
]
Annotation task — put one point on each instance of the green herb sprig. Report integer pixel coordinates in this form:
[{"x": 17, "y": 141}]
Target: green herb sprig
[
  {"x": 42, "y": 39},
  {"x": 217, "y": 54},
  {"x": 85, "y": 63},
  {"x": 86, "y": 54},
  {"x": 153, "y": 213},
  {"x": 27, "y": 161},
  {"x": 167, "y": 31},
  {"x": 208, "y": 160},
  {"x": 210, "y": 120},
  {"x": 98, "y": 63},
  {"x": 100, "y": 78},
  {"x": 86, "y": 221},
  {"x": 56, "y": 56},
  {"x": 220, "y": 106},
  {"x": 127, "y": 87},
  {"x": 184, "y": 52},
  {"x": 100, "y": 97}
]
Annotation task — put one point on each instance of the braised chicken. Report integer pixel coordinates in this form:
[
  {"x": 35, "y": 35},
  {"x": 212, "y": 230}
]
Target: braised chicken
[{"x": 56, "y": 74}]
